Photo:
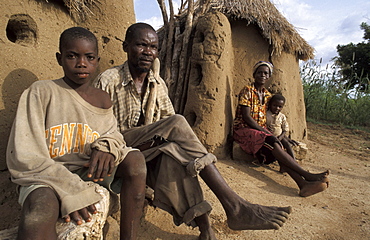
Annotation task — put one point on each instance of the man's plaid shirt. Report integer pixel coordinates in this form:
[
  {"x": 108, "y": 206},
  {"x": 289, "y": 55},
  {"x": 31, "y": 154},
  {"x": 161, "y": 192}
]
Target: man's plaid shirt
[{"x": 127, "y": 104}]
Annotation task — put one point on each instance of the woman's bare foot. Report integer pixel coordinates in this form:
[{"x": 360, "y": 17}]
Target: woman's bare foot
[
  {"x": 207, "y": 235},
  {"x": 313, "y": 177},
  {"x": 249, "y": 216},
  {"x": 311, "y": 188}
]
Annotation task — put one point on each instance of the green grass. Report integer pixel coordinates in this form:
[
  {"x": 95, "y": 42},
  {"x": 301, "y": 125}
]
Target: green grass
[{"x": 328, "y": 99}]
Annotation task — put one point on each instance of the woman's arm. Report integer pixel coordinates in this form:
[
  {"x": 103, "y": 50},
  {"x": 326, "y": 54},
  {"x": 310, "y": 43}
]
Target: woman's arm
[{"x": 246, "y": 115}]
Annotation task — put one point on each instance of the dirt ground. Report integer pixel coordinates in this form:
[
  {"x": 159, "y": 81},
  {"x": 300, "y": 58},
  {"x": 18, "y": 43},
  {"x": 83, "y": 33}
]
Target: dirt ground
[{"x": 341, "y": 212}]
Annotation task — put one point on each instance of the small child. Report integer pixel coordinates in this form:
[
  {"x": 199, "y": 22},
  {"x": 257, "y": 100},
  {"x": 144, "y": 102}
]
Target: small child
[
  {"x": 277, "y": 124},
  {"x": 65, "y": 136}
]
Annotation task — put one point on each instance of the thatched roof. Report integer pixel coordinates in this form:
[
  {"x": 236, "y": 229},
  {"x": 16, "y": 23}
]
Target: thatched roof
[
  {"x": 80, "y": 9},
  {"x": 274, "y": 26}
]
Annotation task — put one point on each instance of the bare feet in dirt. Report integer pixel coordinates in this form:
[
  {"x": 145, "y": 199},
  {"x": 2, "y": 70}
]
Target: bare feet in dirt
[
  {"x": 311, "y": 188},
  {"x": 313, "y": 177},
  {"x": 257, "y": 217}
]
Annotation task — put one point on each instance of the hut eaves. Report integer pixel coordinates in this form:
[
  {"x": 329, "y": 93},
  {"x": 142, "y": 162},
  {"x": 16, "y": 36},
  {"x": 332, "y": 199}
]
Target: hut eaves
[{"x": 274, "y": 26}]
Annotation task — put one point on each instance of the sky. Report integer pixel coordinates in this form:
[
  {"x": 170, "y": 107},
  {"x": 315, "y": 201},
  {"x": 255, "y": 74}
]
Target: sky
[{"x": 322, "y": 23}]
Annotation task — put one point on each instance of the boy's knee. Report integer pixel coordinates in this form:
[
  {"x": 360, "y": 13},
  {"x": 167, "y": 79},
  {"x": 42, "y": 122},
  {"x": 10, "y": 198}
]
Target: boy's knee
[
  {"x": 41, "y": 205},
  {"x": 133, "y": 165},
  {"x": 43, "y": 197}
]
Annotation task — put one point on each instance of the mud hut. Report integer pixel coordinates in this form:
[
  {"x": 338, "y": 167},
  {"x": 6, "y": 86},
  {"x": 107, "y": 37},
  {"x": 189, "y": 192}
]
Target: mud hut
[
  {"x": 222, "y": 48},
  {"x": 29, "y": 41}
]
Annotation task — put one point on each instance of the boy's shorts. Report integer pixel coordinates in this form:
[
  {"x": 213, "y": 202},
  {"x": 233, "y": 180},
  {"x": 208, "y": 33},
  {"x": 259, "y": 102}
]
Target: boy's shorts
[{"x": 110, "y": 182}]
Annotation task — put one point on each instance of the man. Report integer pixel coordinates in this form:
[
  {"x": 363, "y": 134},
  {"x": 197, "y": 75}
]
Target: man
[{"x": 173, "y": 153}]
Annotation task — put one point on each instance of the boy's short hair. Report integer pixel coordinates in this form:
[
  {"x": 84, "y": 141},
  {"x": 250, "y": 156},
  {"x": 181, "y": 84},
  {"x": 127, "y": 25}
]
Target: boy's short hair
[
  {"x": 74, "y": 33},
  {"x": 134, "y": 28},
  {"x": 277, "y": 97}
]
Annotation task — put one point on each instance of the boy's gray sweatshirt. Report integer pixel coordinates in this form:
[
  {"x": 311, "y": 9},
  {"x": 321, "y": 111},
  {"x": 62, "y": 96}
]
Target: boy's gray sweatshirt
[{"x": 53, "y": 133}]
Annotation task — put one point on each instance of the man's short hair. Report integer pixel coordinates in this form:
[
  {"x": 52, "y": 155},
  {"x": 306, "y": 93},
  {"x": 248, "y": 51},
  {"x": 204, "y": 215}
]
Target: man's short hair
[
  {"x": 131, "y": 31},
  {"x": 74, "y": 33}
]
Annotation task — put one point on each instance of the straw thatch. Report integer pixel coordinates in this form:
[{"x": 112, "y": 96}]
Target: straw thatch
[
  {"x": 274, "y": 26},
  {"x": 80, "y": 10},
  {"x": 282, "y": 35}
]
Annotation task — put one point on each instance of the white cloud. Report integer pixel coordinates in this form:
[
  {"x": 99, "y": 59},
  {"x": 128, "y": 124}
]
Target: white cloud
[
  {"x": 156, "y": 22},
  {"x": 148, "y": 11},
  {"x": 325, "y": 24}
]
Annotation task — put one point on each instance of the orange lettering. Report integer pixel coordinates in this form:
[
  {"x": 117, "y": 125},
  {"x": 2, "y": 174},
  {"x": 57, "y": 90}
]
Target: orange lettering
[
  {"x": 78, "y": 138},
  {"x": 94, "y": 136},
  {"x": 66, "y": 145},
  {"x": 82, "y": 138},
  {"x": 53, "y": 140}
]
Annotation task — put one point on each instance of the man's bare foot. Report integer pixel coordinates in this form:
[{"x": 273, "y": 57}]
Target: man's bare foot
[
  {"x": 313, "y": 177},
  {"x": 311, "y": 188},
  {"x": 207, "y": 235},
  {"x": 206, "y": 231},
  {"x": 257, "y": 217}
]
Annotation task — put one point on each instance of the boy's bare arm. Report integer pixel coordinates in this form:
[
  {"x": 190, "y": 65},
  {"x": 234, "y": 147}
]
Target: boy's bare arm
[{"x": 282, "y": 136}]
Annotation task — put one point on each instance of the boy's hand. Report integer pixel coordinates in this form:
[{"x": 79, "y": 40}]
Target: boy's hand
[
  {"x": 101, "y": 165},
  {"x": 82, "y": 214},
  {"x": 294, "y": 142}
]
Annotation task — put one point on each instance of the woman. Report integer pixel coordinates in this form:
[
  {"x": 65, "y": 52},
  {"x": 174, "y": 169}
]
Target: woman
[{"x": 253, "y": 137}]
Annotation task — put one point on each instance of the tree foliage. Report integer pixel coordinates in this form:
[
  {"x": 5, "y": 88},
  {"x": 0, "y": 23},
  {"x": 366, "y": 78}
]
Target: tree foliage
[{"x": 354, "y": 61}]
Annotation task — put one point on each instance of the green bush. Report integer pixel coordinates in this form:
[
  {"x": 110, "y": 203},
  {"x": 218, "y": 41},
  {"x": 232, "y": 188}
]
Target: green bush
[{"x": 328, "y": 99}]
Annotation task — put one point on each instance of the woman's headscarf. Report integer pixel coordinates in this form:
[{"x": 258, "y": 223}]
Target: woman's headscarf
[{"x": 263, "y": 63}]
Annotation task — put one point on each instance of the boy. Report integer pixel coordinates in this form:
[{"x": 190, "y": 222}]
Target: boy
[
  {"x": 65, "y": 133},
  {"x": 277, "y": 124}
]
